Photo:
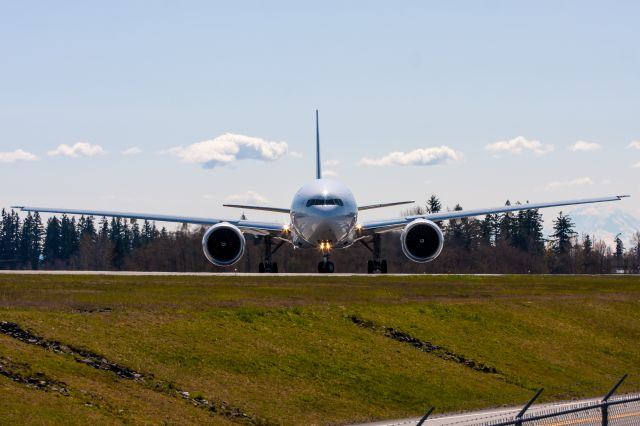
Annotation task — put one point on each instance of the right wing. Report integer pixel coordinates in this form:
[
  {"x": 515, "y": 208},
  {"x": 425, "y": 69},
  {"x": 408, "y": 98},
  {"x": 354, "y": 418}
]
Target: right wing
[
  {"x": 264, "y": 208},
  {"x": 251, "y": 227},
  {"x": 391, "y": 224}
]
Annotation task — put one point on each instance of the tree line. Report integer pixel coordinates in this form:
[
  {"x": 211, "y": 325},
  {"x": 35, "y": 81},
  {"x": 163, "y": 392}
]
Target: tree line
[{"x": 499, "y": 243}]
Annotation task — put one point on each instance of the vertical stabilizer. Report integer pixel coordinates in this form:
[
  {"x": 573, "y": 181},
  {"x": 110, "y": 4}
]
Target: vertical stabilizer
[{"x": 318, "y": 170}]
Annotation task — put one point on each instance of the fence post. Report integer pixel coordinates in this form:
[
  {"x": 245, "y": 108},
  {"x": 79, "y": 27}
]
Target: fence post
[
  {"x": 605, "y": 401},
  {"x": 526, "y": 407},
  {"x": 424, "y": 418}
]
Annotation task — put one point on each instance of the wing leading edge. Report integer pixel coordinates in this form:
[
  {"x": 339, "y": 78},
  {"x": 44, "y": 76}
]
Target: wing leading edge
[
  {"x": 252, "y": 227},
  {"x": 387, "y": 225}
]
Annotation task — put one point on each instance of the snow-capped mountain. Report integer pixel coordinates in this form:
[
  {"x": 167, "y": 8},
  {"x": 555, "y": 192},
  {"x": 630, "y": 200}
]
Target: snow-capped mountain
[{"x": 605, "y": 222}]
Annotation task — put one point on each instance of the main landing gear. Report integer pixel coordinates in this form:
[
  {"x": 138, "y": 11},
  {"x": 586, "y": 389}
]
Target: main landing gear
[
  {"x": 268, "y": 266},
  {"x": 375, "y": 265}
]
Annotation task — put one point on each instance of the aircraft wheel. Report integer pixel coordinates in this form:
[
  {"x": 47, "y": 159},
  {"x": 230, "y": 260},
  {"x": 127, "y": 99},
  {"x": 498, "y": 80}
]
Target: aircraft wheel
[
  {"x": 261, "y": 268},
  {"x": 383, "y": 267},
  {"x": 329, "y": 268},
  {"x": 321, "y": 267},
  {"x": 274, "y": 267},
  {"x": 370, "y": 267}
]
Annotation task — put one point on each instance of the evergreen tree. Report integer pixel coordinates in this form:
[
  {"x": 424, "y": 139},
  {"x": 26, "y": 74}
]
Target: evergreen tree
[
  {"x": 505, "y": 227},
  {"x": 587, "y": 245},
  {"x": 9, "y": 239},
  {"x": 69, "y": 240},
  {"x": 562, "y": 233},
  {"x": 51, "y": 251},
  {"x": 87, "y": 228},
  {"x": 29, "y": 247},
  {"x": 455, "y": 232},
  {"x": 619, "y": 254},
  {"x": 136, "y": 235},
  {"x": 433, "y": 204},
  {"x": 104, "y": 228},
  {"x": 488, "y": 230},
  {"x": 116, "y": 236}
]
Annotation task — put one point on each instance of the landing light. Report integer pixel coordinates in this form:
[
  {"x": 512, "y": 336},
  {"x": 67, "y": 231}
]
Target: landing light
[{"x": 285, "y": 228}]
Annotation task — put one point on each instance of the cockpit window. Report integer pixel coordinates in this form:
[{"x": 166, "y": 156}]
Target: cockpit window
[{"x": 323, "y": 202}]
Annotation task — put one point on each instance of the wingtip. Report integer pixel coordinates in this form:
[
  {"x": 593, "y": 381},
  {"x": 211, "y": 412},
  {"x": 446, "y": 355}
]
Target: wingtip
[
  {"x": 17, "y": 207},
  {"x": 623, "y": 196}
]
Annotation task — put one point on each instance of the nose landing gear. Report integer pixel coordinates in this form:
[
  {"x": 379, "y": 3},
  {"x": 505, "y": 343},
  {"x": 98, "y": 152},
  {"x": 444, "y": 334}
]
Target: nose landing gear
[{"x": 325, "y": 266}]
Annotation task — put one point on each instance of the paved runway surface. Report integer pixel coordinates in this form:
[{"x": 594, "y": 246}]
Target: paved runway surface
[
  {"x": 626, "y": 414},
  {"x": 211, "y": 274},
  {"x": 245, "y": 274}
]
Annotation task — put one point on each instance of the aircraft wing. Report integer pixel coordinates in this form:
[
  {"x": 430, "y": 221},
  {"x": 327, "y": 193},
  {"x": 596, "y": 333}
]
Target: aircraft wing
[
  {"x": 377, "y": 206},
  {"x": 391, "y": 224},
  {"x": 251, "y": 227},
  {"x": 263, "y": 208}
]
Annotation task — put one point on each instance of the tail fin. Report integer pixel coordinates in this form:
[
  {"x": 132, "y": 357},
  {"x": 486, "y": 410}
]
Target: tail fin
[{"x": 318, "y": 170}]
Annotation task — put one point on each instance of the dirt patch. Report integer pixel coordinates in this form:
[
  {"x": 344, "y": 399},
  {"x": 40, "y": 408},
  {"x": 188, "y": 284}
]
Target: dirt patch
[
  {"x": 99, "y": 362},
  {"x": 92, "y": 310},
  {"x": 20, "y": 373},
  {"x": 424, "y": 346}
]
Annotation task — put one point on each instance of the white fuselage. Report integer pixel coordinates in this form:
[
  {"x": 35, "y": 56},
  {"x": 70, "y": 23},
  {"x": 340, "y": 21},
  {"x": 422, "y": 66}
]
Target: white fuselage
[{"x": 323, "y": 212}]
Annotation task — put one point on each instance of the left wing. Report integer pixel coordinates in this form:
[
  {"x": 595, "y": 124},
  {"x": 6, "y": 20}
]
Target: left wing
[
  {"x": 377, "y": 206},
  {"x": 388, "y": 225},
  {"x": 251, "y": 227}
]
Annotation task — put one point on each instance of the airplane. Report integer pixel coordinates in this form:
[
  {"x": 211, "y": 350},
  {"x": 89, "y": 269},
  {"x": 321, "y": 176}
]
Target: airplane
[{"x": 323, "y": 216}]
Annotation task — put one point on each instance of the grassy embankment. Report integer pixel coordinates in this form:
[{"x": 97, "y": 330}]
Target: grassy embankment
[{"x": 286, "y": 350}]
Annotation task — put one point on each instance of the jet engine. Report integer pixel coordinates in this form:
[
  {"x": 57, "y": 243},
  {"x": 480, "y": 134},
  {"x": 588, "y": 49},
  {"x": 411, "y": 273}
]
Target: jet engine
[
  {"x": 422, "y": 240},
  {"x": 223, "y": 244}
]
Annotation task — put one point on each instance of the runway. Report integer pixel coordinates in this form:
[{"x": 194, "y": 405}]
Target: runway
[
  {"x": 220, "y": 274},
  {"x": 255, "y": 274},
  {"x": 624, "y": 414}
]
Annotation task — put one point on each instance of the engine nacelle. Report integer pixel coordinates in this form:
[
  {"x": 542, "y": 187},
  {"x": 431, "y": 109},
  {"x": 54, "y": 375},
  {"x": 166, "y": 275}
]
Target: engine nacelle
[
  {"x": 223, "y": 244},
  {"x": 422, "y": 240}
]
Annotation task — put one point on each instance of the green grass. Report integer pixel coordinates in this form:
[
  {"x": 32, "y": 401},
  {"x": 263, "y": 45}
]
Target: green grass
[{"x": 285, "y": 350}]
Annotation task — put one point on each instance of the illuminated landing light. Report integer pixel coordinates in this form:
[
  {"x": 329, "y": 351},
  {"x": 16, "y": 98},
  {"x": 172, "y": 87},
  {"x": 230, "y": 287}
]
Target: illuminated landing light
[
  {"x": 286, "y": 228},
  {"x": 359, "y": 227}
]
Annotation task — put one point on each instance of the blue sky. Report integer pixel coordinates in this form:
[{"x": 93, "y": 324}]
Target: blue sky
[{"x": 443, "y": 83}]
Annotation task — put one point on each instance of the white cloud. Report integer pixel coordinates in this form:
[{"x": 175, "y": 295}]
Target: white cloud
[
  {"x": 332, "y": 163},
  {"x": 80, "y": 149},
  {"x": 518, "y": 145},
  {"x": 295, "y": 154},
  {"x": 251, "y": 197},
  {"x": 636, "y": 166},
  {"x": 330, "y": 173},
  {"x": 17, "y": 155},
  {"x": 134, "y": 150},
  {"x": 582, "y": 146},
  {"x": 575, "y": 182},
  {"x": 228, "y": 148},
  {"x": 418, "y": 157},
  {"x": 634, "y": 145}
]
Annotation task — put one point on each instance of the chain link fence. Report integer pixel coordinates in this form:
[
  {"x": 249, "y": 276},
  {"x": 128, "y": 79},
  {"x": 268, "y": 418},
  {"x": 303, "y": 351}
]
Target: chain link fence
[{"x": 608, "y": 411}]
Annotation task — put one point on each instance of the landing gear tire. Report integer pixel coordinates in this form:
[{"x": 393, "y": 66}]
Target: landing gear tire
[
  {"x": 267, "y": 267},
  {"x": 326, "y": 267},
  {"x": 377, "y": 266}
]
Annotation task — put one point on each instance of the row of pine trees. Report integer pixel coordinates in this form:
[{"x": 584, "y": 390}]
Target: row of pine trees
[{"x": 501, "y": 243}]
